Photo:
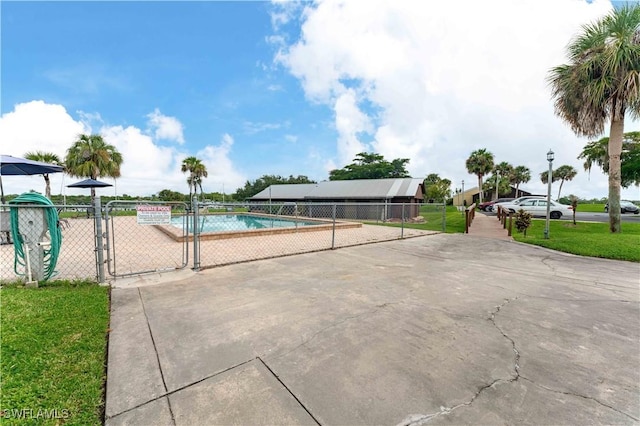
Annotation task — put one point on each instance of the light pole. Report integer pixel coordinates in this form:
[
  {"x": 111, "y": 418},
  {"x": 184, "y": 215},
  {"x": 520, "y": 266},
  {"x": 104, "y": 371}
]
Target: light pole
[
  {"x": 549, "y": 177},
  {"x": 462, "y": 192}
]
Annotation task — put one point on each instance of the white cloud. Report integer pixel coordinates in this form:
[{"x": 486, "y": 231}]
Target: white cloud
[
  {"x": 414, "y": 80},
  {"x": 147, "y": 167},
  {"x": 252, "y": 128},
  {"x": 222, "y": 174},
  {"x": 291, "y": 138},
  {"x": 165, "y": 127}
]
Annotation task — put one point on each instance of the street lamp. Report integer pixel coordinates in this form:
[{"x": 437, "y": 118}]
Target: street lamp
[
  {"x": 463, "y": 192},
  {"x": 549, "y": 177}
]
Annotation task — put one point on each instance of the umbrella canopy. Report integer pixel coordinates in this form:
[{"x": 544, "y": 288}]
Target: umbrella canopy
[
  {"x": 89, "y": 183},
  {"x": 21, "y": 166}
]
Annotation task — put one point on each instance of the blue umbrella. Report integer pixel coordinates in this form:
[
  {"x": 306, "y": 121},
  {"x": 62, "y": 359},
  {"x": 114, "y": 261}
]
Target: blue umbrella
[
  {"x": 13, "y": 166},
  {"x": 89, "y": 183}
]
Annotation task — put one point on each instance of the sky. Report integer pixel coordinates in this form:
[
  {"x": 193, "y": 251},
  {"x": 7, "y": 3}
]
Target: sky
[{"x": 290, "y": 88}]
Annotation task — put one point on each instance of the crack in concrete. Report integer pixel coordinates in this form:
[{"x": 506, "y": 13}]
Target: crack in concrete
[
  {"x": 579, "y": 396},
  {"x": 421, "y": 419}
]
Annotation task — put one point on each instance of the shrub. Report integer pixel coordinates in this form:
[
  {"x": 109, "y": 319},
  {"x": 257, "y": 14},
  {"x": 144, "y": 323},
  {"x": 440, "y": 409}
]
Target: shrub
[{"x": 523, "y": 221}]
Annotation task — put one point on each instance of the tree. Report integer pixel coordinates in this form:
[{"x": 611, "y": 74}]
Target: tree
[
  {"x": 479, "y": 163},
  {"x": 251, "y": 188},
  {"x": 169, "y": 195},
  {"x": 371, "y": 166},
  {"x": 197, "y": 171},
  {"x": 521, "y": 174},
  {"x": 437, "y": 188},
  {"x": 564, "y": 173},
  {"x": 44, "y": 157},
  {"x": 91, "y": 157},
  {"x": 600, "y": 84},
  {"x": 503, "y": 174},
  {"x": 595, "y": 152}
]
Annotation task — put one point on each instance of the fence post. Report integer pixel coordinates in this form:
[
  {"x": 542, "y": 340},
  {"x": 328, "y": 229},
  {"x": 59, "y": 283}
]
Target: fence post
[
  {"x": 510, "y": 223},
  {"x": 97, "y": 217},
  {"x": 196, "y": 234},
  {"x": 444, "y": 215},
  {"x": 402, "y": 227},
  {"x": 333, "y": 232}
]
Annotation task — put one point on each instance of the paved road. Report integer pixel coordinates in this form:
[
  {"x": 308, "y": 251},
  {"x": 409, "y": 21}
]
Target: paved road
[
  {"x": 442, "y": 329},
  {"x": 604, "y": 217}
]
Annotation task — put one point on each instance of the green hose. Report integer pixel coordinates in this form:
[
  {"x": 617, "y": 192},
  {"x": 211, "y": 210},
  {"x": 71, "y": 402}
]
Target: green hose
[{"x": 51, "y": 253}]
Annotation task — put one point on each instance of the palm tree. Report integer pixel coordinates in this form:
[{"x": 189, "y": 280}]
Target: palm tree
[
  {"x": 90, "y": 156},
  {"x": 595, "y": 152},
  {"x": 504, "y": 172},
  {"x": 44, "y": 157},
  {"x": 564, "y": 173},
  {"x": 479, "y": 163},
  {"x": 600, "y": 84},
  {"x": 197, "y": 170},
  {"x": 521, "y": 174}
]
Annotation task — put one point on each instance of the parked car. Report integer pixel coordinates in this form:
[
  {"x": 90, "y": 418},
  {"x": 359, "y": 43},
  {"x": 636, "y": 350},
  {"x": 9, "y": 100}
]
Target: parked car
[
  {"x": 625, "y": 207},
  {"x": 538, "y": 207},
  {"x": 518, "y": 200},
  {"x": 487, "y": 206}
]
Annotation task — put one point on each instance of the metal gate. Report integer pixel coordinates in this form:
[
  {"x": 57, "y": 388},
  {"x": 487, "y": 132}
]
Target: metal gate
[{"x": 145, "y": 236}]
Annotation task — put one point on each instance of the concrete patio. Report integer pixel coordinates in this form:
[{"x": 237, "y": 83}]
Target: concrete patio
[{"x": 440, "y": 329}]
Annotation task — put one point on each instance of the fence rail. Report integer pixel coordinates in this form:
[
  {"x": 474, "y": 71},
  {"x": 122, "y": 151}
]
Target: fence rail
[{"x": 110, "y": 241}]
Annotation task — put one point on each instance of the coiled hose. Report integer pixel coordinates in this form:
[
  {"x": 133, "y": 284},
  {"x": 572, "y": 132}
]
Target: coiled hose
[{"x": 52, "y": 252}]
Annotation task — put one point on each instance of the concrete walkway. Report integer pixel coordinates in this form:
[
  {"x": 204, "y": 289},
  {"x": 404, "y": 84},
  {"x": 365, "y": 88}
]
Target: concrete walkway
[
  {"x": 487, "y": 226},
  {"x": 441, "y": 329}
]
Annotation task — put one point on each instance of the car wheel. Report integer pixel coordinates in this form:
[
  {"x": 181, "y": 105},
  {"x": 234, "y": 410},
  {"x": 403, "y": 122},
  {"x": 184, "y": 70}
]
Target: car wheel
[
  {"x": 555, "y": 215},
  {"x": 489, "y": 209}
]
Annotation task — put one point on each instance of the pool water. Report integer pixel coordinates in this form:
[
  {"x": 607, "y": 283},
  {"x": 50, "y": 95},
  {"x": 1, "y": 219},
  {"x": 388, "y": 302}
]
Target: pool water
[{"x": 240, "y": 222}]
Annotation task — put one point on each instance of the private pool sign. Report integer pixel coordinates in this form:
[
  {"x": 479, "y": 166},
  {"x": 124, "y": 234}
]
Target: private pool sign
[{"x": 153, "y": 215}]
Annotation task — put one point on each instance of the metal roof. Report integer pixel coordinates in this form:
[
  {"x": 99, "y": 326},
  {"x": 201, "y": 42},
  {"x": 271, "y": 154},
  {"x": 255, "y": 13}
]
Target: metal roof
[{"x": 344, "y": 190}]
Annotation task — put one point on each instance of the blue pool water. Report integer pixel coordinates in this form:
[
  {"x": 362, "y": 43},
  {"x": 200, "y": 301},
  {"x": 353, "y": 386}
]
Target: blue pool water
[{"x": 239, "y": 222}]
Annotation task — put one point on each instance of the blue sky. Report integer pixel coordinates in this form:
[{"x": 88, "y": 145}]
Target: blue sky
[{"x": 258, "y": 88}]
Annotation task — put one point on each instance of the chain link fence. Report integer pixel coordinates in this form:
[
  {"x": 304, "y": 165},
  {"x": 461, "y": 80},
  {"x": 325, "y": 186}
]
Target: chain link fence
[
  {"x": 126, "y": 238},
  {"x": 233, "y": 233},
  {"x": 75, "y": 257}
]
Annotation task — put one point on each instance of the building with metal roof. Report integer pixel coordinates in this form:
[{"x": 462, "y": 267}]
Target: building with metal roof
[
  {"x": 400, "y": 190},
  {"x": 367, "y": 197}
]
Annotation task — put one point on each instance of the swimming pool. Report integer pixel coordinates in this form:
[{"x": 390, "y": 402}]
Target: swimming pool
[{"x": 239, "y": 222}]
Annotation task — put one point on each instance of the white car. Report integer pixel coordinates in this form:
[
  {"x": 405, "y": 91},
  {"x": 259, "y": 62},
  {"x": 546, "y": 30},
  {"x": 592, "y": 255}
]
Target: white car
[
  {"x": 538, "y": 207},
  {"x": 517, "y": 201}
]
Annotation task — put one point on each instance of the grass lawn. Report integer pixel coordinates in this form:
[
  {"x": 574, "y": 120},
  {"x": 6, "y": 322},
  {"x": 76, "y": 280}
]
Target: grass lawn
[
  {"x": 454, "y": 220},
  {"x": 586, "y": 239},
  {"x": 53, "y": 353},
  {"x": 591, "y": 208}
]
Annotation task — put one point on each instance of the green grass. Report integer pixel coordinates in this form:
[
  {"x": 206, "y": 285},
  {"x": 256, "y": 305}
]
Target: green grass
[
  {"x": 53, "y": 353},
  {"x": 586, "y": 239},
  {"x": 454, "y": 220},
  {"x": 591, "y": 208}
]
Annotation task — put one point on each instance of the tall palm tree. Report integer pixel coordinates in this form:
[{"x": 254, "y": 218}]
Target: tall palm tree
[
  {"x": 521, "y": 174},
  {"x": 479, "y": 163},
  {"x": 600, "y": 84},
  {"x": 197, "y": 170},
  {"x": 564, "y": 173},
  {"x": 504, "y": 172},
  {"x": 44, "y": 157},
  {"x": 91, "y": 157}
]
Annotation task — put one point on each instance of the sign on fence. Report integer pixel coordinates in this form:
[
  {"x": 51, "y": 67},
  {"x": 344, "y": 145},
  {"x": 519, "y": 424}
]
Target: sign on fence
[{"x": 153, "y": 215}]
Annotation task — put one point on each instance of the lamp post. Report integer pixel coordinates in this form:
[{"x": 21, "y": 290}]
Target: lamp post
[
  {"x": 549, "y": 177},
  {"x": 463, "y": 192}
]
